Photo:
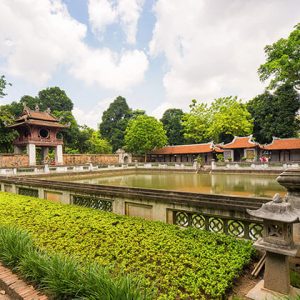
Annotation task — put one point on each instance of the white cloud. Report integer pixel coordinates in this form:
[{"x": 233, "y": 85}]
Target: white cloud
[
  {"x": 106, "y": 12},
  {"x": 109, "y": 69},
  {"x": 129, "y": 12},
  {"x": 39, "y": 36},
  {"x": 101, "y": 14},
  {"x": 91, "y": 117},
  {"x": 214, "y": 48}
]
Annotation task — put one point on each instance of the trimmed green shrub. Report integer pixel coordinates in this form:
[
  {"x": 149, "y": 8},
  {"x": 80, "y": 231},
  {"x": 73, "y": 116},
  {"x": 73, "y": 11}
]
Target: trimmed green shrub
[
  {"x": 63, "y": 277},
  {"x": 183, "y": 264}
]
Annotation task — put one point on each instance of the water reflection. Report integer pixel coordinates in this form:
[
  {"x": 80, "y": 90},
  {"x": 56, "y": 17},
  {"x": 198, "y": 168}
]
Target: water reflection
[{"x": 229, "y": 184}]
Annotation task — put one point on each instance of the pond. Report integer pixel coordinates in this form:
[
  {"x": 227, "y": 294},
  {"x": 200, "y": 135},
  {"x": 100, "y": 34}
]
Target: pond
[{"x": 228, "y": 184}]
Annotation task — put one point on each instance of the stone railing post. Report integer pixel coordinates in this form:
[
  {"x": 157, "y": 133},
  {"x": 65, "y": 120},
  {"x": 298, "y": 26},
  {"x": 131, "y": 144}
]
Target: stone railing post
[
  {"x": 278, "y": 218},
  {"x": 213, "y": 164}
]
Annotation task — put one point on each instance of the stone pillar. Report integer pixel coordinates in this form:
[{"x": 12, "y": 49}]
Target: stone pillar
[
  {"x": 17, "y": 150},
  {"x": 31, "y": 154},
  {"x": 45, "y": 152},
  {"x": 213, "y": 164},
  {"x": 290, "y": 179},
  {"x": 59, "y": 155},
  {"x": 277, "y": 272}
]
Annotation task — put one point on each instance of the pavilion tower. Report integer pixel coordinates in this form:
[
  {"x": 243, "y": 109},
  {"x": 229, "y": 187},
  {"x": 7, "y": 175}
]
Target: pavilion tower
[{"x": 38, "y": 129}]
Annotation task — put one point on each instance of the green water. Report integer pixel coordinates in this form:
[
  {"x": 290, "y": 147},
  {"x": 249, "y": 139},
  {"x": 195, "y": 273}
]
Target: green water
[{"x": 228, "y": 184}]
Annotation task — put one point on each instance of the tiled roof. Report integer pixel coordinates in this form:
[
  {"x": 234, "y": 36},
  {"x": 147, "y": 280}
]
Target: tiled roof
[
  {"x": 185, "y": 149},
  {"x": 39, "y": 123},
  {"x": 38, "y": 115},
  {"x": 240, "y": 142},
  {"x": 282, "y": 144}
]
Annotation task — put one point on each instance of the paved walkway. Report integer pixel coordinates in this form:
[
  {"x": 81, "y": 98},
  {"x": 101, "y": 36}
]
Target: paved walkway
[
  {"x": 17, "y": 286},
  {"x": 5, "y": 297}
]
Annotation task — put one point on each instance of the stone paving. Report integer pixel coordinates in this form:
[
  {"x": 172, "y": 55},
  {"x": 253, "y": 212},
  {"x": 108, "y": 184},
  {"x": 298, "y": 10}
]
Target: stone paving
[
  {"x": 5, "y": 297},
  {"x": 10, "y": 282}
]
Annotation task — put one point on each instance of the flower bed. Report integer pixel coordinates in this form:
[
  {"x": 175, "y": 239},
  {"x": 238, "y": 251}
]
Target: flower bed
[{"x": 185, "y": 264}]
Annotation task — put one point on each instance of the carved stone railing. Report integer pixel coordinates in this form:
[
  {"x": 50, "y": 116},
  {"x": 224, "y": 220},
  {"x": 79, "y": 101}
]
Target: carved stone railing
[
  {"x": 235, "y": 227},
  {"x": 28, "y": 192},
  {"x": 92, "y": 202}
]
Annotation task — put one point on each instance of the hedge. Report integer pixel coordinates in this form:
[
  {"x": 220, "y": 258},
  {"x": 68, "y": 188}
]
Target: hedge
[
  {"x": 63, "y": 277},
  {"x": 184, "y": 264}
]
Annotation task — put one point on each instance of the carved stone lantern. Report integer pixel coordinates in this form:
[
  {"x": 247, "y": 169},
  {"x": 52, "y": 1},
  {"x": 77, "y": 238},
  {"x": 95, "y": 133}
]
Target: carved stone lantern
[{"x": 278, "y": 218}]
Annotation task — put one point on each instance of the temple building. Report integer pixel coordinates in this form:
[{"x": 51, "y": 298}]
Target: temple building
[
  {"x": 41, "y": 130},
  {"x": 241, "y": 148},
  {"x": 282, "y": 149},
  {"x": 185, "y": 153}
]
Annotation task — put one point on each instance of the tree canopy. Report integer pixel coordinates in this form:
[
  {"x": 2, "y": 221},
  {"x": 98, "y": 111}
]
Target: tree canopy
[
  {"x": 196, "y": 122},
  {"x": 223, "y": 119},
  {"x": 114, "y": 122},
  {"x": 95, "y": 144},
  {"x": 283, "y": 61},
  {"x": 55, "y": 98},
  {"x": 275, "y": 114},
  {"x": 3, "y": 85},
  {"x": 229, "y": 117},
  {"x": 172, "y": 122},
  {"x": 7, "y": 135},
  {"x": 71, "y": 134},
  {"x": 143, "y": 134}
]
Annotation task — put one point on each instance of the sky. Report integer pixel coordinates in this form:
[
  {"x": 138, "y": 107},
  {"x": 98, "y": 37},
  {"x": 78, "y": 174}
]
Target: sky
[{"x": 157, "y": 54}]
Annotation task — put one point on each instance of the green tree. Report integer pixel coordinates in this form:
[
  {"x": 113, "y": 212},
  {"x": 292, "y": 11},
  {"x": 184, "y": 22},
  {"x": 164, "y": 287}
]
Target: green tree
[
  {"x": 275, "y": 114},
  {"x": 56, "y": 99},
  {"x": 229, "y": 117},
  {"x": 97, "y": 145},
  {"x": 72, "y": 133},
  {"x": 172, "y": 122},
  {"x": 53, "y": 97},
  {"x": 136, "y": 112},
  {"x": 30, "y": 101},
  {"x": 196, "y": 122},
  {"x": 222, "y": 120},
  {"x": 7, "y": 135},
  {"x": 3, "y": 85},
  {"x": 114, "y": 122},
  {"x": 283, "y": 61},
  {"x": 85, "y": 133},
  {"x": 143, "y": 134}
]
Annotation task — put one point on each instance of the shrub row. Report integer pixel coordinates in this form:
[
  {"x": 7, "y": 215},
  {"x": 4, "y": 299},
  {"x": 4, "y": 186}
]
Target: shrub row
[
  {"x": 63, "y": 277},
  {"x": 185, "y": 264}
]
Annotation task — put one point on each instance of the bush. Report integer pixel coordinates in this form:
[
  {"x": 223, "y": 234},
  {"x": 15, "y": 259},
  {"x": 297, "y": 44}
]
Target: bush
[
  {"x": 183, "y": 264},
  {"x": 63, "y": 277},
  {"x": 14, "y": 244}
]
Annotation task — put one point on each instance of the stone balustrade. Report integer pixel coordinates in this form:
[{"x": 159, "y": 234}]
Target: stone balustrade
[{"x": 217, "y": 213}]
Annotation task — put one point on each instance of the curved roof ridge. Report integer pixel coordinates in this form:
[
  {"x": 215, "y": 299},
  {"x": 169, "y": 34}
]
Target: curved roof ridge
[{"x": 239, "y": 144}]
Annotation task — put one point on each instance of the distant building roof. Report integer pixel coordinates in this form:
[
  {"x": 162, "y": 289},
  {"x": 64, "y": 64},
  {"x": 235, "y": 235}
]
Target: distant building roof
[
  {"x": 241, "y": 142},
  {"x": 282, "y": 144},
  {"x": 188, "y": 149}
]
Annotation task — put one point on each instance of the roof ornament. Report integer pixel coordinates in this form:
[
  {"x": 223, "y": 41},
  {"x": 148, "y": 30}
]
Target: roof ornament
[
  {"x": 277, "y": 198},
  {"x": 26, "y": 110},
  {"x": 48, "y": 110},
  {"x": 37, "y": 107}
]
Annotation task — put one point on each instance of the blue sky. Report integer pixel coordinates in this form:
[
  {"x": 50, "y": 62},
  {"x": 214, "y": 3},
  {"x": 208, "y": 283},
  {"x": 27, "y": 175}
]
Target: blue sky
[{"x": 157, "y": 54}]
